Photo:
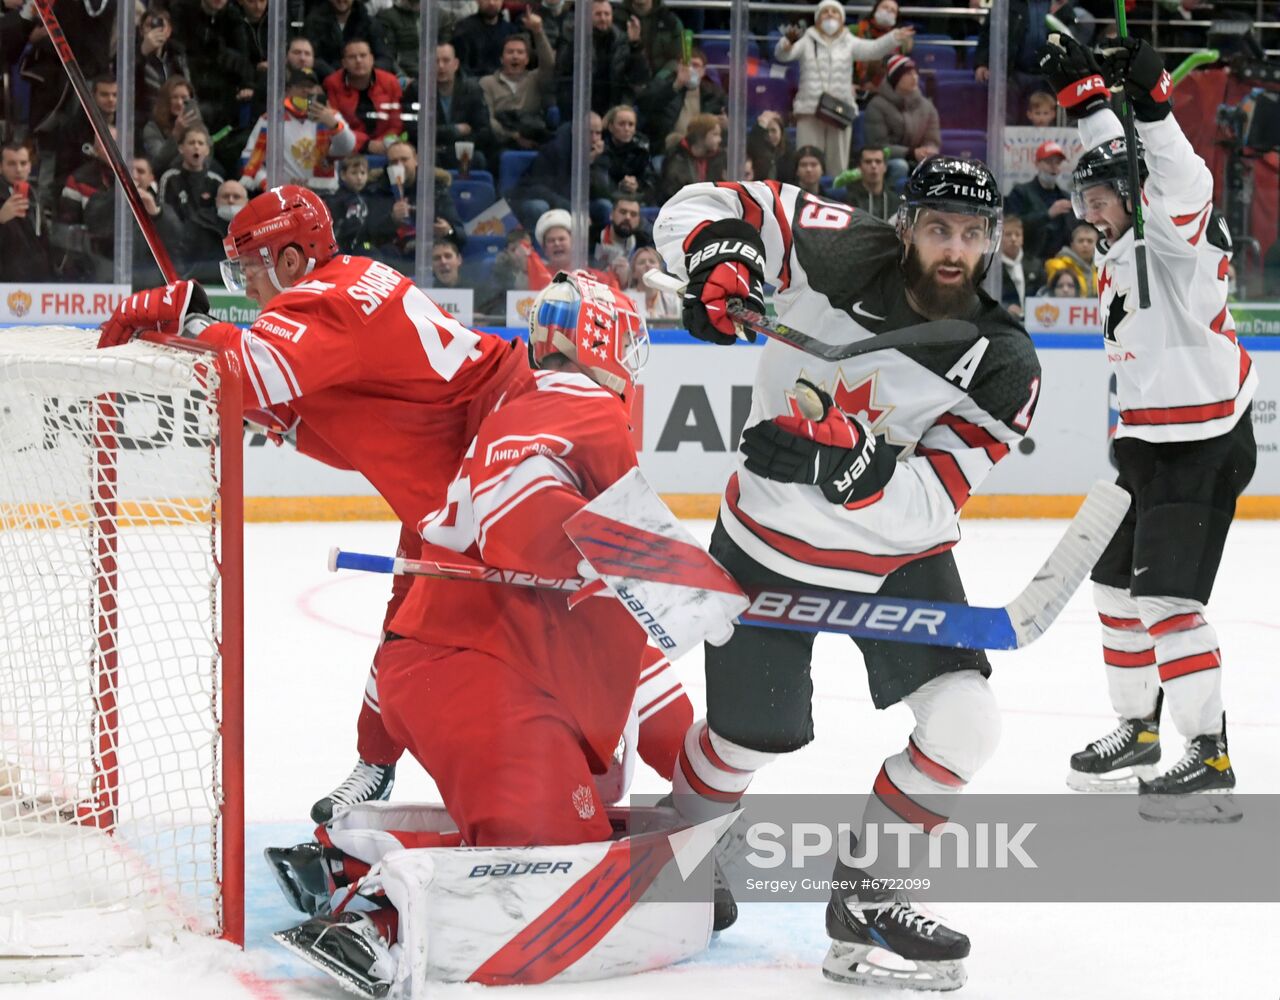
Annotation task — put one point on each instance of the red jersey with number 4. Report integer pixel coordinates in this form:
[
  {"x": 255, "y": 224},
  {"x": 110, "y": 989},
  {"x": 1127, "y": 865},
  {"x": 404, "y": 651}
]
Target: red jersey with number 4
[
  {"x": 555, "y": 440},
  {"x": 379, "y": 377}
]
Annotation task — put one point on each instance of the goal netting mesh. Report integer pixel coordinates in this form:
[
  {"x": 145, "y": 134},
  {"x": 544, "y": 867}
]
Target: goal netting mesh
[{"x": 111, "y": 698}]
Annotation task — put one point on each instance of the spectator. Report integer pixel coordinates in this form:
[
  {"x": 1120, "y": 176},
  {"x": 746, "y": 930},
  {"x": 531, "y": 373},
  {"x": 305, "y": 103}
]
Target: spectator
[
  {"x": 545, "y": 185},
  {"x": 24, "y": 238},
  {"x": 619, "y": 70},
  {"x": 333, "y": 25},
  {"x": 146, "y": 273},
  {"x": 1042, "y": 109},
  {"x": 397, "y": 198},
  {"x": 366, "y": 97},
  {"x": 1027, "y": 34},
  {"x": 315, "y": 135},
  {"x": 191, "y": 187},
  {"x": 515, "y": 94},
  {"x": 254, "y": 13},
  {"x": 1013, "y": 289},
  {"x": 357, "y": 226},
  {"x": 555, "y": 237},
  {"x": 698, "y": 157},
  {"x": 207, "y": 228},
  {"x": 661, "y": 33},
  {"x": 810, "y": 168},
  {"x": 479, "y": 39},
  {"x": 399, "y": 24},
  {"x": 157, "y": 59},
  {"x": 769, "y": 150},
  {"x": 447, "y": 268},
  {"x": 624, "y": 234},
  {"x": 880, "y": 21},
  {"x": 81, "y": 207},
  {"x": 1061, "y": 284},
  {"x": 461, "y": 113},
  {"x": 452, "y": 13},
  {"x": 75, "y": 135},
  {"x": 1042, "y": 205},
  {"x": 626, "y": 155},
  {"x": 216, "y": 42},
  {"x": 826, "y": 52},
  {"x": 871, "y": 191},
  {"x": 679, "y": 92},
  {"x": 557, "y": 22},
  {"x": 1077, "y": 257},
  {"x": 510, "y": 273},
  {"x": 302, "y": 55},
  {"x": 903, "y": 119},
  {"x": 658, "y": 303},
  {"x": 175, "y": 111}
]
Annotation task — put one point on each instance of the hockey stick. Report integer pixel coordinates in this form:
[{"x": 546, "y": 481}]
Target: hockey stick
[
  {"x": 1131, "y": 144},
  {"x": 103, "y": 131},
  {"x": 935, "y": 333},
  {"x": 1193, "y": 62},
  {"x": 869, "y": 616}
]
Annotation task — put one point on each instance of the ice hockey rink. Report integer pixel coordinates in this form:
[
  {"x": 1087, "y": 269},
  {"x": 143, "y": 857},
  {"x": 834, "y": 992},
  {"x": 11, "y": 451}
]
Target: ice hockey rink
[{"x": 309, "y": 638}]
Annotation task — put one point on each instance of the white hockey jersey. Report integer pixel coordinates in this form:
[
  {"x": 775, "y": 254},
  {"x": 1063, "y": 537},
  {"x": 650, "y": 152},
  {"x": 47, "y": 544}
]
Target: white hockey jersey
[
  {"x": 1180, "y": 373},
  {"x": 951, "y": 412}
]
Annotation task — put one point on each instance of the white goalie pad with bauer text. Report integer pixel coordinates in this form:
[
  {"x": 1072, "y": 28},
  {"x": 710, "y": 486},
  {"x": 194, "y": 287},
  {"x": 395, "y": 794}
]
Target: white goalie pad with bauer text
[
  {"x": 524, "y": 915},
  {"x": 668, "y": 582}
]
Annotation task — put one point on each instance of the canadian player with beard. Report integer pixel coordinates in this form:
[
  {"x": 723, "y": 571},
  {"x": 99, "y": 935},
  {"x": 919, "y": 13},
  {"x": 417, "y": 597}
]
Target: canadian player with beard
[{"x": 865, "y": 498}]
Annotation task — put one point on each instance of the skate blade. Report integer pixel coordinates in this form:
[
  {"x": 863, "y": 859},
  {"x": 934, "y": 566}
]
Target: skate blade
[
  {"x": 288, "y": 939},
  {"x": 1122, "y": 780},
  {"x": 867, "y": 965},
  {"x": 299, "y": 898},
  {"x": 1191, "y": 807}
]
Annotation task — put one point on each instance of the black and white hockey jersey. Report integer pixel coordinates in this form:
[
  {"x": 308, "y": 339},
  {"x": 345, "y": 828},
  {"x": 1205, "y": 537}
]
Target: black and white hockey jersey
[
  {"x": 1180, "y": 373},
  {"x": 952, "y": 412}
]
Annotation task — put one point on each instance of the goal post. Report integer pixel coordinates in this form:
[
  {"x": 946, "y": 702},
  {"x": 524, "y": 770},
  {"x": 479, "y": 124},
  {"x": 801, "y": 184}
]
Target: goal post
[{"x": 121, "y": 644}]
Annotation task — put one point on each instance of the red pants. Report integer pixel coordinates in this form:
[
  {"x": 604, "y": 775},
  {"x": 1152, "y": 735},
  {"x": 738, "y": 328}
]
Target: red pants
[{"x": 506, "y": 759}]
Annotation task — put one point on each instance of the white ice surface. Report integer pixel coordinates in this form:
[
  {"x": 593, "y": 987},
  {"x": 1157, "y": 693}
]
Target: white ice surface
[{"x": 309, "y": 639}]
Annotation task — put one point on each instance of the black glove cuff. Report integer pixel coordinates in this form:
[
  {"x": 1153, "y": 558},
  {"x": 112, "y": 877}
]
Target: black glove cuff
[
  {"x": 872, "y": 480},
  {"x": 726, "y": 240}
]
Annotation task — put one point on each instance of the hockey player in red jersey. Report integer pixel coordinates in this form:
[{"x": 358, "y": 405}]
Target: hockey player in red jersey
[
  {"x": 1184, "y": 443},
  {"x": 865, "y": 499},
  {"x": 511, "y": 701}
]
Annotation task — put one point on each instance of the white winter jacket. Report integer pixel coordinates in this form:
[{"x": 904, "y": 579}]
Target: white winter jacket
[{"x": 826, "y": 64}]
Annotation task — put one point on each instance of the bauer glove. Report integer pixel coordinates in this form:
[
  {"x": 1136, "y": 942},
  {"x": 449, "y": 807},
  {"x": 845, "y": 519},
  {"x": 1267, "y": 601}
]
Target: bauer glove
[{"x": 725, "y": 261}]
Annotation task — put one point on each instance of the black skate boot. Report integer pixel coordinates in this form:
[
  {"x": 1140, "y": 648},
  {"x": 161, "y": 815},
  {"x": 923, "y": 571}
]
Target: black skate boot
[
  {"x": 724, "y": 907},
  {"x": 1119, "y": 760},
  {"x": 366, "y": 783},
  {"x": 304, "y": 875},
  {"x": 926, "y": 953},
  {"x": 349, "y": 948},
  {"x": 1197, "y": 789}
]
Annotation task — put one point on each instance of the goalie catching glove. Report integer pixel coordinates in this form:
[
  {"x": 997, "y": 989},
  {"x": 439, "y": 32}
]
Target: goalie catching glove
[
  {"x": 1131, "y": 65},
  {"x": 725, "y": 261},
  {"x": 825, "y": 447},
  {"x": 180, "y": 308},
  {"x": 1073, "y": 72}
]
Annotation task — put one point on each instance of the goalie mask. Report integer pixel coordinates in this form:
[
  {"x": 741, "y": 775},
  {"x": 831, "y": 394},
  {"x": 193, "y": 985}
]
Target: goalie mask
[
  {"x": 284, "y": 216},
  {"x": 594, "y": 326},
  {"x": 953, "y": 185}
]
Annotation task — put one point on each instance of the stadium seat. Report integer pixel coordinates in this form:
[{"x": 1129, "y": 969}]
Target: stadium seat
[
  {"x": 650, "y": 213},
  {"x": 964, "y": 142},
  {"x": 472, "y": 197},
  {"x": 766, "y": 93},
  {"x": 483, "y": 248},
  {"x": 933, "y": 56},
  {"x": 475, "y": 175},
  {"x": 512, "y": 165},
  {"x": 961, "y": 101}
]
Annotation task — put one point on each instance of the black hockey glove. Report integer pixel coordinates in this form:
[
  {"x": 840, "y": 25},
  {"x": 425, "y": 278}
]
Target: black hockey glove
[
  {"x": 1073, "y": 72},
  {"x": 834, "y": 451},
  {"x": 1131, "y": 65},
  {"x": 725, "y": 260}
]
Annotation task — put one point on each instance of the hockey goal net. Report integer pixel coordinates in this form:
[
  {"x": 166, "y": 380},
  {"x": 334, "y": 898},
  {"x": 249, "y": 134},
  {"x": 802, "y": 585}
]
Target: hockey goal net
[{"x": 121, "y": 799}]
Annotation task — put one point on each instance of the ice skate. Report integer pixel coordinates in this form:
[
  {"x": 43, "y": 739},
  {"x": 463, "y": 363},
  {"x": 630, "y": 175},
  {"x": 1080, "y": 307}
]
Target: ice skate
[
  {"x": 349, "y": 948},
  {"x": 366, "y": 783},
  {"x": 1119, "y": 760},
  {"x": 1197, "y": 789},
  {"x": 880, "y": 938},
  {"x": 303, "y": 874}
]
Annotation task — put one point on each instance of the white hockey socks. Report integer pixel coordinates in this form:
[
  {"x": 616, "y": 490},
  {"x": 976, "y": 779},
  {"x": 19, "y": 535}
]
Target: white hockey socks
[
  {"x": 712, "y": 773},
  {"x": 1129, "y": 653},
  {"x": 1189, "y": 663}
]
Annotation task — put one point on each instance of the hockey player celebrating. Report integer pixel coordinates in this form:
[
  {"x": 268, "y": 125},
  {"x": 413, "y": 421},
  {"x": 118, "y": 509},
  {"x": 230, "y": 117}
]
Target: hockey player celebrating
[
  {"x": 505, "y": 696},
  {"x": 864, "y": 498},
  {"x": 1184, "y": 444}
]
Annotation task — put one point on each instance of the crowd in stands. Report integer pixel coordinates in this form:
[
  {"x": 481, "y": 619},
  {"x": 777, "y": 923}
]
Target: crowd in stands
[{"x": 845, "y": 108}]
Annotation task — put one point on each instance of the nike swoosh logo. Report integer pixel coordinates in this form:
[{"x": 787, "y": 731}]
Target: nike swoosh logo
[
  {"x": 1139, "y": 572},
  {"x": 857, "y": 307}
]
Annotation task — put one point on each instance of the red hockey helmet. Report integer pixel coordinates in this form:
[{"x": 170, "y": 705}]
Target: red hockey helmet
[
  {"x": 289, "y": 215},
  {"x": 591, "y": 324}
]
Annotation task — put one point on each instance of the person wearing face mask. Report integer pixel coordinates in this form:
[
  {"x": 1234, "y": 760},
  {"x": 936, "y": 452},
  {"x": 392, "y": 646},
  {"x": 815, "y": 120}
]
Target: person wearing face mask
[
  {"x": 1043, "y": 205},
  {"x": 679, "y": 92},
  {"x": 206, "y": 229},
  {"x": 882, "y": 19},
  {"x": 826, "y": 53}
]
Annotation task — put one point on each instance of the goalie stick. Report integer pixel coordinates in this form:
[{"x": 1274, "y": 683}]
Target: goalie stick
[
  {"x": 935, "y": 333},
  {"x": 868, "y": 616}
]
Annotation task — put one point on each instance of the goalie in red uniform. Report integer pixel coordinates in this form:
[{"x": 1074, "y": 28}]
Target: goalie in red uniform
[{"x": 511, "y": 701}]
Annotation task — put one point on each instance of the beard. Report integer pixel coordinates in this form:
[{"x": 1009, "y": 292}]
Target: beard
[{"x": 935, "y": 299}]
